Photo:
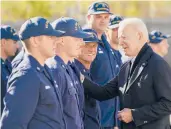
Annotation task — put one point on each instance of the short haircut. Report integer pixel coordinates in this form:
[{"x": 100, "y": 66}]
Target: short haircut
[
  {"x": 137, "y": 24},
  {"x": 26, "y": 43}
]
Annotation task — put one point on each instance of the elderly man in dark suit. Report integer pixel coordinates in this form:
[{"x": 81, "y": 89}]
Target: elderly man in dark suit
[{"x": 143, "y": 83}]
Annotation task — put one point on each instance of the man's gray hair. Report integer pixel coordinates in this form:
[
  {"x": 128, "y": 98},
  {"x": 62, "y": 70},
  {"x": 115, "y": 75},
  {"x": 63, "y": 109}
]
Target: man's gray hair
[{"x": 137, "y": 23}]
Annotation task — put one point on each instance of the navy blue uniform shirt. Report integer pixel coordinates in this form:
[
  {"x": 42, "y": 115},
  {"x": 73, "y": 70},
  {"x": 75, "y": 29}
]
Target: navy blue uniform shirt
[
  {"x": 5, "y": 72},
  {"x": 90, "y": 107},
  {"x": 78, "y": 79},
  {"x": 104, "y": 68},
  {"x": 33, "y": 99},
  {"x": 70, "y": 98}
]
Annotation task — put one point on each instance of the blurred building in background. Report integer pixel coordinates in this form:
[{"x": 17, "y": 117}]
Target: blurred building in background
[{"x": 156, "y": 14}]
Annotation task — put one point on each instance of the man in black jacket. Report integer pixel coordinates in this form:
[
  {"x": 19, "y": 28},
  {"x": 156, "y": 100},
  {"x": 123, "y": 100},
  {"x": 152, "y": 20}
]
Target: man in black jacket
[{"x": 143, "y": 83}]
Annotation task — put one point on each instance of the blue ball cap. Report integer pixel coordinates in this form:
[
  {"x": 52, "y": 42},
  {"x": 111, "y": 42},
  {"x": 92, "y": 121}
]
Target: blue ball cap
[
  {"x": 156, "y": 36},
  {"x": 98, "y": 8},
  {"x": 92, "y": 38},
  {"x": 114, "y": 21},
  {"x": 37, "y": 26},
  {"x": 70, "y": 27},
  {"x": 7, "y": 32}
]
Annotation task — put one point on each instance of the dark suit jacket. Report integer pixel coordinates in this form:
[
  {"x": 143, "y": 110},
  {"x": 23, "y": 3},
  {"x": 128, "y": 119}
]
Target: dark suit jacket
[{"x": 147, "y": 92}]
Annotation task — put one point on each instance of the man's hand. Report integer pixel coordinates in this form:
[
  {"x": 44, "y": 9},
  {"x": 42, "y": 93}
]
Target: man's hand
[
  {"x": 125, "y": 115},
  {"x": 116, "y": 128}
]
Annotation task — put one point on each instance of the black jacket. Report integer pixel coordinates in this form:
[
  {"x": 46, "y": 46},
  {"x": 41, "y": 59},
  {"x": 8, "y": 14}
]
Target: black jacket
[{"x": 147, "y": 92}]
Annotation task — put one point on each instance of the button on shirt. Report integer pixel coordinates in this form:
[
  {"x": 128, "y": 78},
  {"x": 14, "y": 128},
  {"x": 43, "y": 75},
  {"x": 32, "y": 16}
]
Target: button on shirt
[
  {"x": 70, "y": 97},
  {"x": 33, "y": 99}
]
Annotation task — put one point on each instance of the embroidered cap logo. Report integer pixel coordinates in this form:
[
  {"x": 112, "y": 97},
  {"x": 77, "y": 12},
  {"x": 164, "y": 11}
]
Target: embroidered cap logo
[
  {"x": 13, "y": 31},
  {"x": 77, "y": 26},
  {"x": 47, "y": 24}
]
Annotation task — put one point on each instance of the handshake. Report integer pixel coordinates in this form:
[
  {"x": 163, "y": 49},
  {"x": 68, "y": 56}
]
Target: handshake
[{"x": 125, "y": 115}]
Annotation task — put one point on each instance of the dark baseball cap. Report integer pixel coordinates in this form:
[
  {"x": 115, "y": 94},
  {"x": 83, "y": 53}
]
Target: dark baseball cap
[
  {"x": 7, "y": 32},
  {"x": 38, "y": 26},
  {"x": 92, "y": 38},
  {"x": 156, "y": 36},
  {"x": 114, "y": 21},
  {"x": 99, "y": 8},
  {"x": 70, "y": 27}
]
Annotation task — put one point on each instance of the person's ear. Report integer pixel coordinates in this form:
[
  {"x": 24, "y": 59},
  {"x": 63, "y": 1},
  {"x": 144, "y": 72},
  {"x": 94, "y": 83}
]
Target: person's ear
[
  {"x": 88, "y": 17},
  {"x": 35, "y": 41},
  {"x": 107, "y": 32},
  {"x": 3, "y": 42},
  {"x": 139, "y": 35},
  {"x": 62, "y": 41}
]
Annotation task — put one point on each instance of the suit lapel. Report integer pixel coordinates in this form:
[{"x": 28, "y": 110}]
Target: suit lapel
[
  {"x": 136, "y": 73},
  {"x": 125, "y": 72},
  {"x": 139, "y": 64}
]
